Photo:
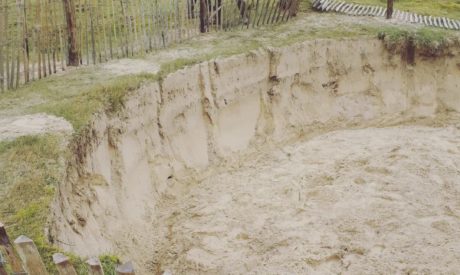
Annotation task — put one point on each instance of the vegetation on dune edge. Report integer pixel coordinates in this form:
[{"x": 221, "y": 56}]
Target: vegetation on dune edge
[
  {"x": 33, "y": 166},
  {"x": 426, "y": 41}
]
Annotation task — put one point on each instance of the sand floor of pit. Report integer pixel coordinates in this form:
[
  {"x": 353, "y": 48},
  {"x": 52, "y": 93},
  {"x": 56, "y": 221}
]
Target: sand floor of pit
[{"x": 366, "y": 201}]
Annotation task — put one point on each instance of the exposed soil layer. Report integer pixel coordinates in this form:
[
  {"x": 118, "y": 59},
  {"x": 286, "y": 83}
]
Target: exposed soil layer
[{"x": 160, "y": 183}]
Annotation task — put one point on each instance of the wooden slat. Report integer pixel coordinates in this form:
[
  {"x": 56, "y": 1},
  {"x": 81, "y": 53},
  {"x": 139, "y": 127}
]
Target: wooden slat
[
  {"x": 353, "y": 9},
  {"x": 339, "y": 7},
  {"x": 9, "y": 252},
  {"x": 63, "y": 264},
  {"x": 30, "y": 256},
  {"x": 126, "y": 269},
  {"x": 2, "y": 268},
  {"x": 94, "y": 266},
  {"x": 2, "y": 45}
]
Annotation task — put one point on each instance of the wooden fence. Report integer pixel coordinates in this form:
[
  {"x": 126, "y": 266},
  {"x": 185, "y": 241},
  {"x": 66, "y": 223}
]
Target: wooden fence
[
  {"x": 379, "y": 11},
  {"x": 23, "y": 258},
  {"x": 34, "y": 34}
]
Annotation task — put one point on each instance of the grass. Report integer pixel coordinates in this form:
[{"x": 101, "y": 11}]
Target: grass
[
  {"x": 78, "y": 109},
  {"x": 75, "y": 96},
  {"x": 447, "y": 8},
  {"x": 427, "y": 41},
  {"x": 31, "y": 170},
  {"x": 32, "y": 167}
]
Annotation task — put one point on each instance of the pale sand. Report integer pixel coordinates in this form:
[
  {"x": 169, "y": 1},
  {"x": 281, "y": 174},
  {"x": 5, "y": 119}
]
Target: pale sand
[
  {"x": 14, "y": 127},
  {"x": 133, "y": 169},
  {"x": 370, "y": 201}
]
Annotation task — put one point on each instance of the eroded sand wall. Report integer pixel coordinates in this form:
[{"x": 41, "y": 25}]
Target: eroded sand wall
[{"x": 212, "y": 113}]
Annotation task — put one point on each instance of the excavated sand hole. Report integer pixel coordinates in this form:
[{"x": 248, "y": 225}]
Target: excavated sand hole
[
  {"x": 321, "y": 157},
  {"x": 369, "y": 201}
]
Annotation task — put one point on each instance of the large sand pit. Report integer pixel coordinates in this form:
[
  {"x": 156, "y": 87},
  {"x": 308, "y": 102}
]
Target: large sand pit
[
  {"x": 277, "y": 161},
  {"x": 370, "y": 201}
]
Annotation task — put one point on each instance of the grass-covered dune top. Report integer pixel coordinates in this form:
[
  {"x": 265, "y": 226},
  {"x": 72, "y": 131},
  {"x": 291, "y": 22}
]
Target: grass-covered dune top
[
  {"x": 31, "y": 167},
  {"x": 447, "y": 8}
]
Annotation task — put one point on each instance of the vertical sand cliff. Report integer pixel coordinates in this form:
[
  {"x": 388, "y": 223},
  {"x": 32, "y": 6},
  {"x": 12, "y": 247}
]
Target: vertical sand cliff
[{"x": 134, "y": 172}]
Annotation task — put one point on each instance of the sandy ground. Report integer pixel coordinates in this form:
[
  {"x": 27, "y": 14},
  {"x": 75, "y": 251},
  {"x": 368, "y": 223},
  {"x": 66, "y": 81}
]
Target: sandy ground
[
  {"x": 14, "y": 127},
  {"x": 370, "y": 201}
]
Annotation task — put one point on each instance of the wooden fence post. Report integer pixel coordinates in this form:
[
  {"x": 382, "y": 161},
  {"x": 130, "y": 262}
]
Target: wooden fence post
[
  {"x": 389, "y": 8},
  {"x": 95, "y": 267},
  {"x": 63, "y": 264},
  {"x": 2, "y": 265},
  {"x": 125, "y": 269},
  {"x": 30, "y": 256},
  {"x": 72, "y": 33},
  {"x": 7, "y": 248},
  {"x": 203, "y": 16}
]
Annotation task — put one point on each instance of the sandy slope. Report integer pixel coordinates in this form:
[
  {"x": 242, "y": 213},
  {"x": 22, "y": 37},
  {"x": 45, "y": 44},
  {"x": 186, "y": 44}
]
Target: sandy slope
[
  {"x": 370, "y": 201},
  {"x": 354, "y": 198}
]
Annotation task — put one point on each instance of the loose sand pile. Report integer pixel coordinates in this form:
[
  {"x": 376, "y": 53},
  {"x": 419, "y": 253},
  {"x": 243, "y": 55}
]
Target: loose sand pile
[{"x": 370, "y": 201}]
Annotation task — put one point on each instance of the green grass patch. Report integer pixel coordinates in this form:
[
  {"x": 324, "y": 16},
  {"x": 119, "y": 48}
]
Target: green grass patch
[
  {"x": 427, "y": 41},
  {"x": 32, "y": 167},
  {"x": 447, "y": 8},
  {"x": 31, "y": 170},
  {"x": 110, "y": 96},
  {"x": 75, "y": 96}
]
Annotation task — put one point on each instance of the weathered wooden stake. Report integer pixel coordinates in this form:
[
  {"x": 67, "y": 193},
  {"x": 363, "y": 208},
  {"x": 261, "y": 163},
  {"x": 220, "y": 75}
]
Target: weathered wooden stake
[
  {"x": 95, "y": 267},
  {"x": 2, "y": 42},
  {"x": 25, "y": 43},
  {"x": 410, "y": 50},
  {"x": 389, "y": 8},
  {"x": 30, "y": 256},
  {"x": 2, "y": 267},
  {"x": 8, "y": 251},
  {"x": 203, "y": 16},
  {"x": 126, "y": 269},
  {"x": 72, "y": 34},
  {"x": 63, "y": 264}
]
